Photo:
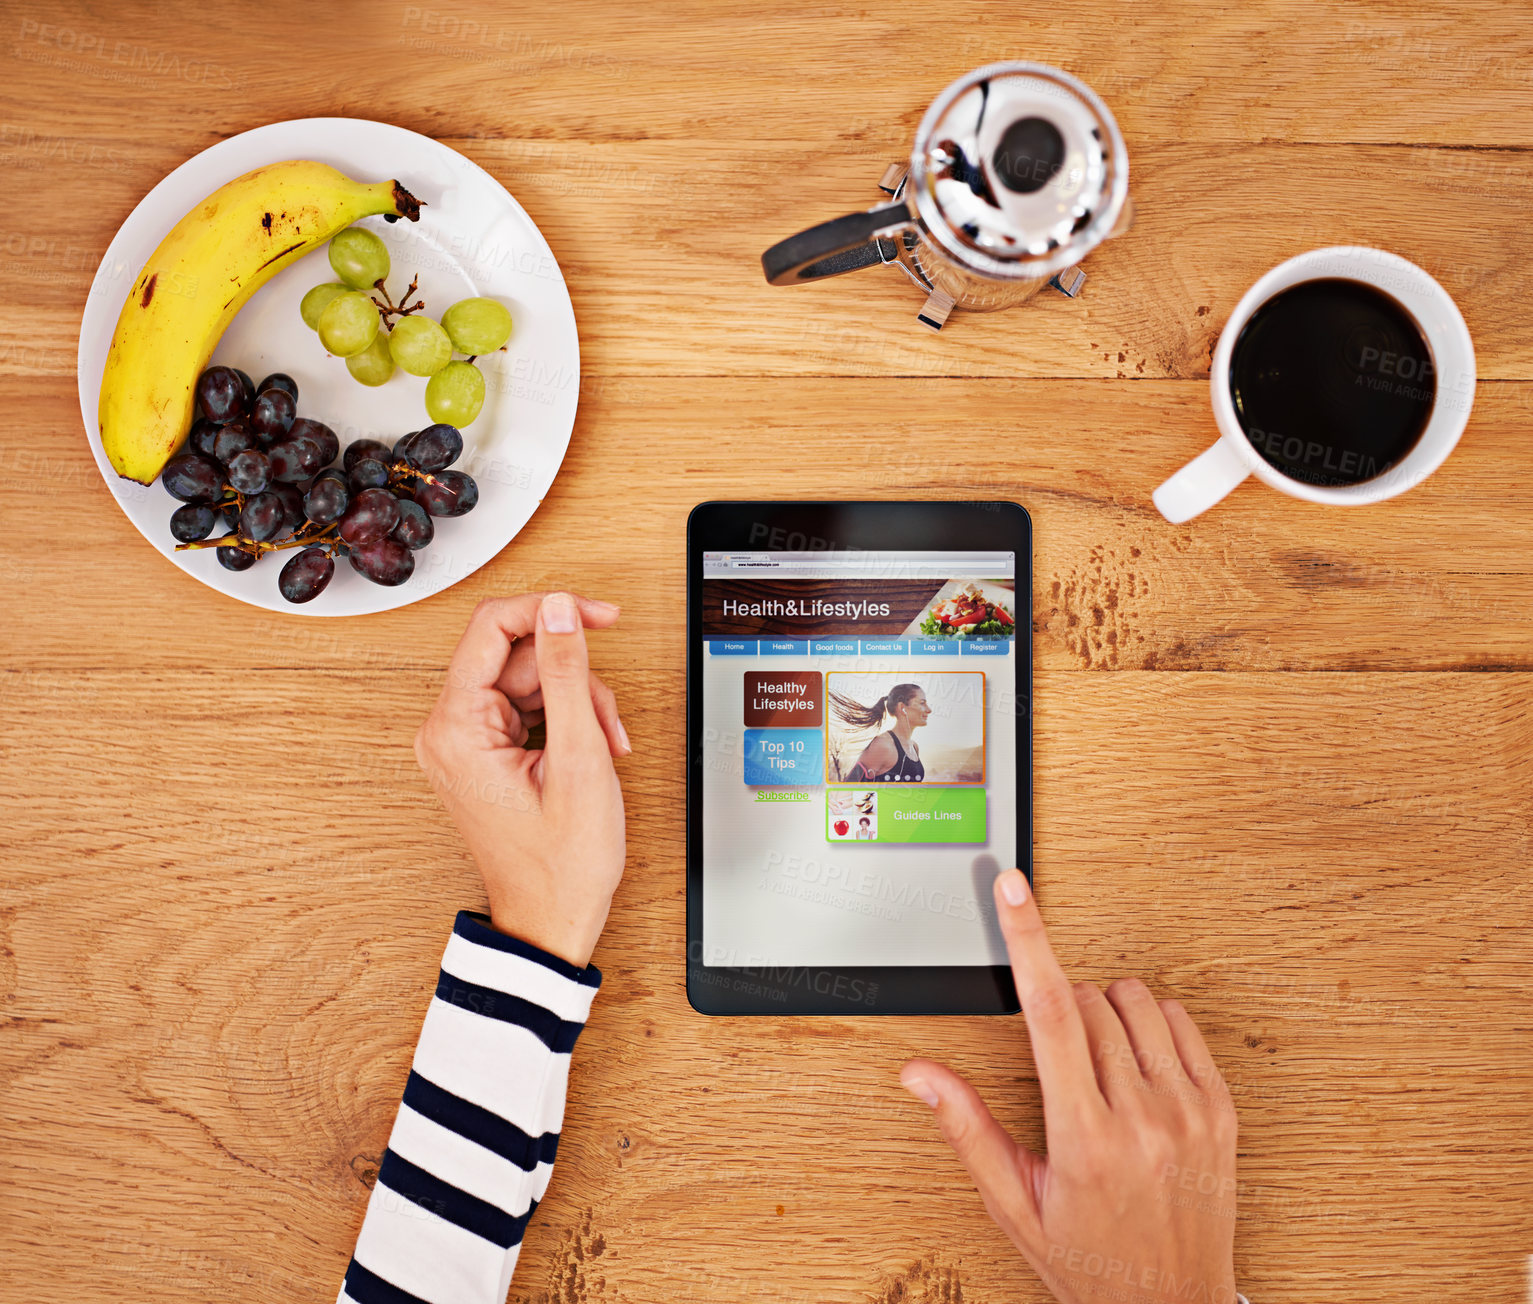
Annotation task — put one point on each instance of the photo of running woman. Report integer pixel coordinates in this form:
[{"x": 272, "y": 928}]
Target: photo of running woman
[{"x": 892, "y": 757}]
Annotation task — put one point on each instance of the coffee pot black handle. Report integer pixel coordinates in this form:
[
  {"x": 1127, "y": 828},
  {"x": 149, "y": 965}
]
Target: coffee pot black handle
[{"x": 844, "y": 244}]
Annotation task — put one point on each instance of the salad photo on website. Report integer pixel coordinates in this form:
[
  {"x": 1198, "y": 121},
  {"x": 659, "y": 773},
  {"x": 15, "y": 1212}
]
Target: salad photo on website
[{"x": 968, "y": 609}]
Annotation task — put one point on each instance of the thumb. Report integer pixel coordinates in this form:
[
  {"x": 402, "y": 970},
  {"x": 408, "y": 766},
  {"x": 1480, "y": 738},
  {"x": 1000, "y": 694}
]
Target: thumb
[
  {"x": 1002, "y": 1170},
  {"x": 564, "y": 676}
]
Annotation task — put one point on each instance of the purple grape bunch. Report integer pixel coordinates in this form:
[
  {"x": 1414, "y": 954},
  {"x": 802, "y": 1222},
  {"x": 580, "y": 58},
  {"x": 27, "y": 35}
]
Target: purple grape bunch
[{"x": 269, "y": 477}]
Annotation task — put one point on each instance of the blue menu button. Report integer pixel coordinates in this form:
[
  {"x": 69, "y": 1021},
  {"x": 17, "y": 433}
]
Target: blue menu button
[
  {"x": 784, "y": 758},
  {"x": 833, "y": 647},
  {"x": 732, "y": 647},
  {"x": 784, "y": 647},
  {"x": 934, "y": 647}
]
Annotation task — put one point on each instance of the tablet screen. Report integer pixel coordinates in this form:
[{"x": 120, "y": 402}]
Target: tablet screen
[{"x": 859, "y": 751}]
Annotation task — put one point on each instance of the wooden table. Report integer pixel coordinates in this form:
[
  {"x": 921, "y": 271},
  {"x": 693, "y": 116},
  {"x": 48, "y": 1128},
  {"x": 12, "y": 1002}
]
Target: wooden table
[{"x": 1283, "y": 752}]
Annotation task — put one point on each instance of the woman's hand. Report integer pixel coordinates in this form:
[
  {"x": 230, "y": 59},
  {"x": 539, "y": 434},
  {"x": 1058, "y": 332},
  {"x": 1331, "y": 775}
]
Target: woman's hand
[
  {"x": 1136, "y": 1196},
  {"x": 544, "y": 825}
]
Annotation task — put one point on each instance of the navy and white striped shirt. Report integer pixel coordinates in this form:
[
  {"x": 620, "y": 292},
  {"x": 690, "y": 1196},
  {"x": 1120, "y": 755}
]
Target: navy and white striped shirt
[{"x": 473, "y": 1144}]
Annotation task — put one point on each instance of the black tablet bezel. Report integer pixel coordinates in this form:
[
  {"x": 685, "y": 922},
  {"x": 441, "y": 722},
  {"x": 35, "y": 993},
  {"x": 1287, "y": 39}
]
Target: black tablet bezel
[{"x": 799, "y": 526}]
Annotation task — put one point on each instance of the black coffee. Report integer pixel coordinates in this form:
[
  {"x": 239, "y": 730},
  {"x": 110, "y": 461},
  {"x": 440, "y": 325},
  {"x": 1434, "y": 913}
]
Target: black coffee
[{"x": 1332, "y": 381}]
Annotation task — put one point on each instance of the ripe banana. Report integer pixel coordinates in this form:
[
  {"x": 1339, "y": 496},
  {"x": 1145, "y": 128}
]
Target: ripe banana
[{"x": 202, "y": 274}]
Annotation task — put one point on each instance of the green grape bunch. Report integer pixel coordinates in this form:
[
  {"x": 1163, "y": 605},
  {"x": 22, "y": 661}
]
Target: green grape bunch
[{"x": 376, "y": 339}]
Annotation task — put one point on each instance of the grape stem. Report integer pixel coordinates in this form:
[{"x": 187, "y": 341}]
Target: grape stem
[
  {"x": 474, "y": 357},
  {"x": 404, "y": 308},
  {"x": 298, "y": 540},
  {"x": 401, "y": 470}
]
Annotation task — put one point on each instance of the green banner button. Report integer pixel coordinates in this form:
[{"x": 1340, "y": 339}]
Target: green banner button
[{"x": 901, "y": 813}]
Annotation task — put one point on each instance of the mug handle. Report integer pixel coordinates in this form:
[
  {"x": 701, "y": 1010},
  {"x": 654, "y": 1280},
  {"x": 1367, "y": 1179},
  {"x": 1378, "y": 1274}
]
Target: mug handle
[
  {"x": 844, "y": 244},
  {"x": 1201, "y": 483}
]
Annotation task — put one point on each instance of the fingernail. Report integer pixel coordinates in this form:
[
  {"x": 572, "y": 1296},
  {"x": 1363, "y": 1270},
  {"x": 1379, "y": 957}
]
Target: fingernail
[
  {"x": 920, "y": 1088},
  {"x": 559, "y": 614},
  {"x": 599, "y": 602},
  {"x": 1013, "y": 887},
  {"x": 622, "y": 738}
]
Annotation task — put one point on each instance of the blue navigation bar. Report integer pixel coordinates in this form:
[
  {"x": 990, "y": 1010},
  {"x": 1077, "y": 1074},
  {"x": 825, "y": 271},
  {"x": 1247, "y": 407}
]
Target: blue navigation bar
[{"x": 868, "y": 647}]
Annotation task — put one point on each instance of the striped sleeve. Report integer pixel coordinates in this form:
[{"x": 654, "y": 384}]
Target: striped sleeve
[{"x": 474, "y": 1140}]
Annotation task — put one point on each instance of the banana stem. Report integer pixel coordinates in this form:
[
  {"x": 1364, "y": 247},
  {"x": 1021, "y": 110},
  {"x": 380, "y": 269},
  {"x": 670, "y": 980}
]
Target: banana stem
[{"x": 406, "y": 205}]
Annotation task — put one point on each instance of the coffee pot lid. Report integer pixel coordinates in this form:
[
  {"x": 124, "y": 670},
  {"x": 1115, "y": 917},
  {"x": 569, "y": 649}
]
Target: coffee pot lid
[{"x": 1019, "y": 169}]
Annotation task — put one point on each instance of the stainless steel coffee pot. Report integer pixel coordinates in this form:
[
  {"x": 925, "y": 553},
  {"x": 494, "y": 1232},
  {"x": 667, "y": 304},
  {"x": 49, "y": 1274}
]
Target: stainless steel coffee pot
[{"x": 1018, "y": 171}]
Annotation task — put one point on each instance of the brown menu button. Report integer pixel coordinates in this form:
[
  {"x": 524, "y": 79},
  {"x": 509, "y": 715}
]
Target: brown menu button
[{"x": 780, "y": 699}]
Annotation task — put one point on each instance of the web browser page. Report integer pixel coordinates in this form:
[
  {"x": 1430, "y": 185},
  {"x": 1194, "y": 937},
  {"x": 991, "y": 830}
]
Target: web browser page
[{"x": 859, "y": 768}]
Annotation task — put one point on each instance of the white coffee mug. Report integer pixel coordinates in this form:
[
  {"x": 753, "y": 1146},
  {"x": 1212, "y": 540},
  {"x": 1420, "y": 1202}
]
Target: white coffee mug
[{"x": 1210, "y": 476}]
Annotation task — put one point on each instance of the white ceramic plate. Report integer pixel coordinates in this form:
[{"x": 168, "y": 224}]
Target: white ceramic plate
[{"x": 472, "y": 239}]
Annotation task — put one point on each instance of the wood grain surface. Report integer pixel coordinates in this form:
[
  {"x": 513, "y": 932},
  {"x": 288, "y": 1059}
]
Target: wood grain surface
[{"x": 1284, "y": 752}]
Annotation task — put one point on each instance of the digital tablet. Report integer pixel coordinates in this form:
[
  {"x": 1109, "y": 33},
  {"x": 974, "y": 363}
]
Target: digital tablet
[{"x": 859, "y": 692}]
